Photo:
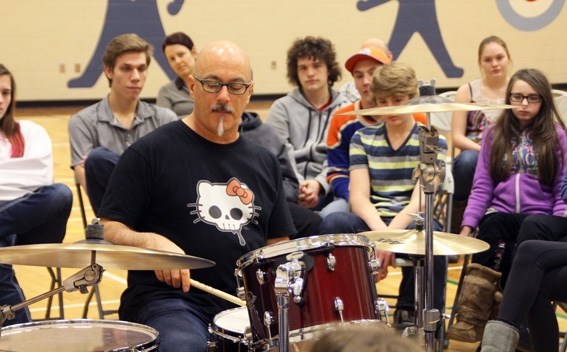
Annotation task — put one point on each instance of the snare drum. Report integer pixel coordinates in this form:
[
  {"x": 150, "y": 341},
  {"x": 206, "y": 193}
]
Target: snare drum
[
  {"x": 78, "y": 335},
  {"x": 334, "y": 283},
  {"x": 231, "y": 331}
]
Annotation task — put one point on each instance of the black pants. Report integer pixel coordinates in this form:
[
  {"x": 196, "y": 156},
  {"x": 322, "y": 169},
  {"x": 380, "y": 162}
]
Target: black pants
[
  {"x": 537, "y": 277},
  {"x": 543, "y": 227},
  {"x": 306, "y": 221},
  {"x": 497, "y": 229}
]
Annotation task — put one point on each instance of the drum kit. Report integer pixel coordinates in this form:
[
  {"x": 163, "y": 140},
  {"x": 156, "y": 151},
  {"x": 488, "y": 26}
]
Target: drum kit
[
  {"x": 289, "y": 292},
  {"x": 327, "y": 279}
]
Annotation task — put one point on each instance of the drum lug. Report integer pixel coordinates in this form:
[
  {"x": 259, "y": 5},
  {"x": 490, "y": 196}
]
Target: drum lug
[
  {"x": 241, "y": 293},
  {"x": 382, "y": 309},
  {"x": 374, "y": 265},
  {"x": 339, "y": 307},
  {"x": 261, "y": 276},
  {"x": 268, "y": 321},
  {"x": 331, "y": 262}
]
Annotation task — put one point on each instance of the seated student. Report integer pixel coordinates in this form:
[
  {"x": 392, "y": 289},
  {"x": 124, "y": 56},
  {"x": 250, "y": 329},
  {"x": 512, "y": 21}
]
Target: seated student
[
  {"x": 181, "y": 54},
  {"x": 33, "y": 209},
  {"x": 101, "y": 132},
  {"x": 349, "y": 89},
  {"x": 302, "y": 117},
  {"x": 518, "y": 173},
  {"x": 537, "y": 278},
  {"x": 361, "y": 65},
  {"x": 382, "y": 191},
  {"x": 305, "y": 220},
  {"x": 467, "y": 127}
]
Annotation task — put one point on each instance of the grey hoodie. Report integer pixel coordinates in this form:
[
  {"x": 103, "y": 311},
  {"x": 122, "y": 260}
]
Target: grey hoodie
[{"x": 304, "y": 128}]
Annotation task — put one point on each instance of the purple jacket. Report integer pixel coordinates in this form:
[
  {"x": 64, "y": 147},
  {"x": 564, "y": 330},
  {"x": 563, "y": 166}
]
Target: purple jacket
[{"x": 520, "y": 193}]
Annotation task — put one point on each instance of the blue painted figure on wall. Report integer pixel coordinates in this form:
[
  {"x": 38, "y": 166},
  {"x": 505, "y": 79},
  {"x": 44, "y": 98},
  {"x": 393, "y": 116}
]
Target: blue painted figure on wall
[
  {"x": 417, "y": 16},
  {"x": 128, "y": 16}
]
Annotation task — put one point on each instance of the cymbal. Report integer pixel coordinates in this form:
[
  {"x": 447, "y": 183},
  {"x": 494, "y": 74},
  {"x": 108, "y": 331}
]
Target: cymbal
[
  {"x": 413, "y": 242},
  {"x": 78, "y": 255},
  {"x": 426, "y": 107}
]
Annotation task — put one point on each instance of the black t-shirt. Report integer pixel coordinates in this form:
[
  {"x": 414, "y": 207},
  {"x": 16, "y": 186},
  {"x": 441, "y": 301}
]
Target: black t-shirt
[{"x": 214, "y": 201}]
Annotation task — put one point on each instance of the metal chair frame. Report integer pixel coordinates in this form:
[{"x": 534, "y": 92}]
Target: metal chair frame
[
  {"x": 95, "y": 290},
  {"x": 56, "y": 281}
]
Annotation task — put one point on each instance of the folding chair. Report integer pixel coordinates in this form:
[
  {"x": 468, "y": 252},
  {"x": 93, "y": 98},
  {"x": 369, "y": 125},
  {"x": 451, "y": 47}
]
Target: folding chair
[
  {"x": 81, "y": 203},
  {"x": 56, "y": 281},
  {"x": 563, "y": 345}
]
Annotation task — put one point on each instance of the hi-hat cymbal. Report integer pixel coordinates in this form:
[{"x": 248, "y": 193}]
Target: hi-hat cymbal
[
  {"x": 426, "y": 107},
  {"x": 413, "y": 242},
  {"x": 78, "y": 255}
]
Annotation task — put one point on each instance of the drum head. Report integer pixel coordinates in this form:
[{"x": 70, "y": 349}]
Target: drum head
[
  {"x": 234, "y": 320},
  {"x": 78, "y": 335}
]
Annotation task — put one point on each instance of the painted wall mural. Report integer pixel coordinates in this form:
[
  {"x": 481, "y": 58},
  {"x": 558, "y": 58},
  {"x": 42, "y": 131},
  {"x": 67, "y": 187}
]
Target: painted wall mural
[
  {"x": 128, "y": 16},
  {"x": 417, "y": 16},
  {"x": 55, "y": 48}
]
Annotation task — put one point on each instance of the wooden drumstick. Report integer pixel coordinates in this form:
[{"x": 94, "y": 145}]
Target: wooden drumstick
[{"x": 218, "y": 293}]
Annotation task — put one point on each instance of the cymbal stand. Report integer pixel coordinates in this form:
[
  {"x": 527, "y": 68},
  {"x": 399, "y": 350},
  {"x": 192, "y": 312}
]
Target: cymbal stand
[
  {"x": 427, "y": 171},
  {"x": 88, "y": 276}
]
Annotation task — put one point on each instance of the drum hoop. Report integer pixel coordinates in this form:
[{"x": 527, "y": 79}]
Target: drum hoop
[
  {"x": 235, "y": 339},
  {"x": 304, "y": 244},
  {"x": 123, "y": 324}
]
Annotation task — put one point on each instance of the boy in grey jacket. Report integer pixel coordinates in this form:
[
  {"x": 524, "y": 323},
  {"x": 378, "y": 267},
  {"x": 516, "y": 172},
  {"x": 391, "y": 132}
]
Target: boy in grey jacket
[{"x": 302, "y": 117}]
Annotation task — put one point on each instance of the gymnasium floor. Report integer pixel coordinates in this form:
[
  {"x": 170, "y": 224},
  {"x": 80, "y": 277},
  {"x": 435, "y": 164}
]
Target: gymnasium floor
[{"x": 35, "y": 280}]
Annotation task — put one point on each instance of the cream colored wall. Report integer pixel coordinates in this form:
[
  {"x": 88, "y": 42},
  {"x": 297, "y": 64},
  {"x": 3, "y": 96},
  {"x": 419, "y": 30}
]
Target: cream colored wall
[{"x": 44, "y": 42}]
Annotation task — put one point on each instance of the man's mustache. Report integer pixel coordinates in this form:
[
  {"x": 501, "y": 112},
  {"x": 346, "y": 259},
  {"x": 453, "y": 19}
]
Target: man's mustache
[{"x": 222, "y": 108}]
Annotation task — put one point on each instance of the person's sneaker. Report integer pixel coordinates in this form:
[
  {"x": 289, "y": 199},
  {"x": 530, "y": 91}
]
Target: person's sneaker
[{"x": 403, "y": 318}]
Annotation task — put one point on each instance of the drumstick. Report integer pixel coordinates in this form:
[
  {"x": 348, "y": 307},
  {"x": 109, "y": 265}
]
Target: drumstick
[{"x": 218, "y": 293}]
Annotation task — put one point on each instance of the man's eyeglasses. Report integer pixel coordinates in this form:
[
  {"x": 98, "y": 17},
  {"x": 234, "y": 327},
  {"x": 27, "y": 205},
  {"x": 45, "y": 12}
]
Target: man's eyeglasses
[
  {"x": 519, "y": 98},
  {"x": 212, "y": 86}
]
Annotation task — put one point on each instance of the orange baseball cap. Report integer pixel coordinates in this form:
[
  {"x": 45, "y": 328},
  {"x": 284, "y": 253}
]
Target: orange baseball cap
[{"x": 375, "y": 54}]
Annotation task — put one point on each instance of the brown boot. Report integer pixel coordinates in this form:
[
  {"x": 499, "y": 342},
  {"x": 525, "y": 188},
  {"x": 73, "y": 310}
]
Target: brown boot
[
  {"x": 457, "y": 212},
  {"x": 475, "y": 303},
  {"x": 496, "y": 305}
]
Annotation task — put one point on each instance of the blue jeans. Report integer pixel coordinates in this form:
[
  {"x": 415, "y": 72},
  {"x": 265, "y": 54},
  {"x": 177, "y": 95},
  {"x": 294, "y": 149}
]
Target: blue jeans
[
  {"x": 339, "y": 204},
  {"x": 181, "y": 325},
  {"x": 464, "y": 167},
  {"x": 349, "y": 223},
  {"x": 37, "y": 217},
  {"x": 99, "y": 166}
]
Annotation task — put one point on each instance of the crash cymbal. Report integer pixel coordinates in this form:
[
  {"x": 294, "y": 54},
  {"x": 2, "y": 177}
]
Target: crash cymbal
[
  {"x": 78, "y": 255},
  {"x": 426, "y": 107},
  {"x": 413, "y": 242}
]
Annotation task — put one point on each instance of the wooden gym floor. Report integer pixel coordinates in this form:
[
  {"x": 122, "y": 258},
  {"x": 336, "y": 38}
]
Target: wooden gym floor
[{"x": 36, "y": 280}]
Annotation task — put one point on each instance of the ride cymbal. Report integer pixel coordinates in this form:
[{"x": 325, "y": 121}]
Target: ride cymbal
[
  {"x": 413, "y": 242},
  {"x": 79, "y": 255},
  {"x": 426, "y": 107}
]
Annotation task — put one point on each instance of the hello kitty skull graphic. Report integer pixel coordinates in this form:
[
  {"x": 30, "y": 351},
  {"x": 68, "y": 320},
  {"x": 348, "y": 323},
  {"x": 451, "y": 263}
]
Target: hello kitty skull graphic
[{"x": 227, "y": 206}]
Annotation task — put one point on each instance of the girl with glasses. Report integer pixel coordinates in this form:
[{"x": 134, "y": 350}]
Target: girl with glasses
[{"x": 519, "y": 172}]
